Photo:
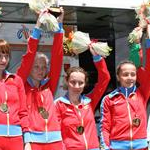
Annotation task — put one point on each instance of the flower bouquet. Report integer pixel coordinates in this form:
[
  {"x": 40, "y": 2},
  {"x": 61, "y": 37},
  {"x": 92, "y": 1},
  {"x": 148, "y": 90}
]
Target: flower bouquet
[
  {"x": 135, "y": 35},
  {"x": 79, "y": 42},
  {"x": 48, "y": 20},
  {"x": 143, "y": 14},
  {"x": 67, "y": 44}
]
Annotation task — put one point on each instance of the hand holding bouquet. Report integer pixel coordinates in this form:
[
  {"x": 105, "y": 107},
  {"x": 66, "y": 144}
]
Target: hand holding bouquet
[
  {"x": 135, "y": 51},
  {"x": 79, "y": 42},
  {"x": 43, "y": 7},
  {"x": 48, "y": 21},
  {"x": 135, "y": 35}
]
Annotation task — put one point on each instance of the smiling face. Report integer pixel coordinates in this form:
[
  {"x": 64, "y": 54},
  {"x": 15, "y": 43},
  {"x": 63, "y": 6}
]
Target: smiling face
[
  {"x": 4, "y": 60},
  {"x": 127, "y": 75},
  {"x": 4, "y": 55},
  {"x": 76, "y": 83},
  {"x": 76, "y": 80}
]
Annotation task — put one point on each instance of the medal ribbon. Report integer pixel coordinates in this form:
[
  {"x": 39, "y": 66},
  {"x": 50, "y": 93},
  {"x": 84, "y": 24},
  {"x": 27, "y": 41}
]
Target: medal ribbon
[
  {"x": 136, "y": 119},
  {"x": 3, "y": 105},
  {"x": 80, "y": 118},
  {"x": 135, "y": 103},
  {"x": 38, "y": 99},
  {"x": 41, "y": 109}
]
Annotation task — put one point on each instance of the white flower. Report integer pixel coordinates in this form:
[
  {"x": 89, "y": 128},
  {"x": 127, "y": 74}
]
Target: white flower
[
  {"x": 81, "y": 42},
  {"x": 49, "y": 22}
]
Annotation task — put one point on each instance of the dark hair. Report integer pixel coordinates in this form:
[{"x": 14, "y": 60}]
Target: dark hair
[
  {"x": 76, "y": 69},
  {"x": 4, "y": 47},
  {"x": 122, "y": 63}
]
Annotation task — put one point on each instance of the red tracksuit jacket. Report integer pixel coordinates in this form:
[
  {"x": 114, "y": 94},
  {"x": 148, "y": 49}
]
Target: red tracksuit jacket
[
  {"x": 120, "y": 107},
  {"x": 16, "y": 120},
  {"x": 43, "y": 130},
  {"x": 71, "y": 117}
]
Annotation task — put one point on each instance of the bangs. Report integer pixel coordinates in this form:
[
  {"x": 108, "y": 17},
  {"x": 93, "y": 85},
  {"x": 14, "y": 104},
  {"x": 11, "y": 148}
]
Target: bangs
[{"x": 4, "y": 47}]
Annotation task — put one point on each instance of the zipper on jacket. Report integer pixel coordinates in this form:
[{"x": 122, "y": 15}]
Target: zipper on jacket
[
  {"x": 8, "y": 124},
  {"x": 7, "y": 114},
  {"x": 130, "y": 119},
  {"x": 46, "y": 121},
  {"x": 82, "y": 123}
]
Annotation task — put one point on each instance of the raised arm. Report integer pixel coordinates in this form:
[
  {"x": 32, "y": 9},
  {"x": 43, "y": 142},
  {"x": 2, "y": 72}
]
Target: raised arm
[
  {"x": 28, "y": 59},
  {"x": 56, "y": 56},
  {"x": 147, "y": 62},
  {"x": 136, "y": 52},
  {"x": 143, "y": 73},
  {"x": 103, "y": 80},
  {"x": 136, "y": 56}
]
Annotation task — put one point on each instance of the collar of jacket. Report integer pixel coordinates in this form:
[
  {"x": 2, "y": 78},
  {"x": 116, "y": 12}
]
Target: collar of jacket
[
  {"x": 7, "y": 75},
  {"x": 42, "y": 82},
  {"x": 125, "y": 91},
  {"x": 65, "y": 99}
]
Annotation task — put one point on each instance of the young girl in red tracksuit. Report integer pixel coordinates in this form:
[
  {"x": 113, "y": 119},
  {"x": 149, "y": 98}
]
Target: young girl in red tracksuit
[
  {"x": 123, "y": 112},
  {"x": 75, "y": 111},
  {"x": 13, "y": 112},
  {"x": 45, "y": 131}
]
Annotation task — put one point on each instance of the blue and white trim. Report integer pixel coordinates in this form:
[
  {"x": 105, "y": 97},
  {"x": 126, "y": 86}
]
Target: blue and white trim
[
  {"x": 26, "y": 137},
  {"x": 61, "y": 30},
  {"x": 97, "y": 58},
  {"x": 45, "y": 137},
  {"x": 147, "y": 43},
  {"x": 14, "y": 131},
  {"x": 11, "y": 130},
  {"x": 36, "y": 34},
  {"x": 136, "y": 144},
  {"x": 65, "y": 99},
  {"x": 101, "y": 124},
  {"x": 42, "y": 82},
  {"x": 125, "y": 91}
]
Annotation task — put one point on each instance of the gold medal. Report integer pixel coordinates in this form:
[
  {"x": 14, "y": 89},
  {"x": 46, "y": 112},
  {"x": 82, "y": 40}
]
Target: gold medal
[
  {"x": 80, "y": 129},
  {"x": 43, "y": 112},
  {"x": 4, "y": 107},
  {"x": 136, "y": 122}
]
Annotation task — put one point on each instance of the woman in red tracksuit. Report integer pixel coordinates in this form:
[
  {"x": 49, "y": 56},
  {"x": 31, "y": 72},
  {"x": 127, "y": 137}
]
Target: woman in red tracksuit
[
  {"x": 123, "y": 112},
  {"x": 75, "y": 111},
  {"x": 13, "y": 112},
  {"x": 45, "y": 131}
]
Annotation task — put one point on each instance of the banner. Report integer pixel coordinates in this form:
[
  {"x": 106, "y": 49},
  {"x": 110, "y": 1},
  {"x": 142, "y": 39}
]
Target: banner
[{"x": 17, "y": 33}]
